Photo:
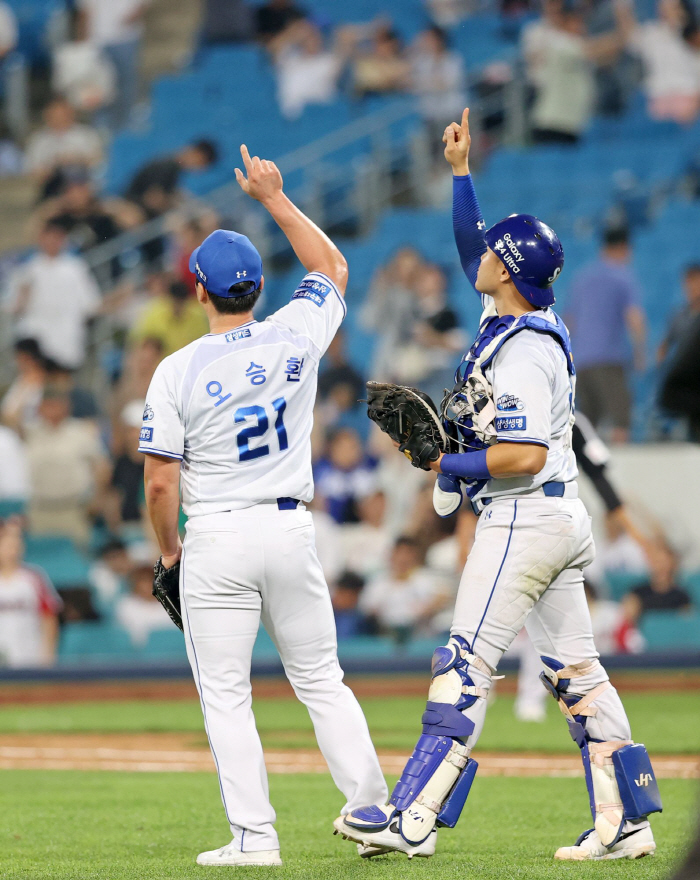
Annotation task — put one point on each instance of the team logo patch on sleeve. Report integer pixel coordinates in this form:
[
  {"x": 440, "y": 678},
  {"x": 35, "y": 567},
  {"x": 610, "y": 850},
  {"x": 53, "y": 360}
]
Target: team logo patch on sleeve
[
  {"x": 511, "y": 423},
  {"x": 509, "y": 403},
  {"x": 148, "y": 413},
  {"x": 146, "y": 435},
  {"x": 316, "y": 291}
]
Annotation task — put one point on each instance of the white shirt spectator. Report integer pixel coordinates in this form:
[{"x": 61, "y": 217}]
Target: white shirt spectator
[
  {"x": 567, "y": 90},
  {"x": 365, "y": 548},
  {"x": 438, "y": 80},
  {"x": 113, "y": 21},
  {"x": 78, "y": 144},
  {"x": 534, "y": 39},
  {"x": 400, "y": 603},
  {"x": 62, "y": 296},
  {"x": 306, "y": 79},
  {"x": 62, "y": 461},
  {"x": 671, "y": 66},
  {"x": 140, "y": 617},
  {"x": 83, "y": 75},
  {"x": 14, "y": 469},
  {"x": 9, "y": 33},
  {"x": 26, "y": 595}
]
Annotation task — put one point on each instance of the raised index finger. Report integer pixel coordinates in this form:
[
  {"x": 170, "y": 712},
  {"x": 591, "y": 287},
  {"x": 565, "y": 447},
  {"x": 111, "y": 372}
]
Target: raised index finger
[
  {"x": 246, "y": 158},
  {"x": 465, "y": 118}
]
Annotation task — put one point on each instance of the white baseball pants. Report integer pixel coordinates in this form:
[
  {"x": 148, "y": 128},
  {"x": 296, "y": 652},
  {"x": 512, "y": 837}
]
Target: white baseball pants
[
  {"x": 526, "y": 568},
  {"x": 239, "y": 568}
]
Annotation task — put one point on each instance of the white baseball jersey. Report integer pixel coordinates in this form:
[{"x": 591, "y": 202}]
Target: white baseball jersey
[
  {"x": 534, "y": 395},
  {"x": 237, "y": 408},
  {"x": 26, "y": 596}
]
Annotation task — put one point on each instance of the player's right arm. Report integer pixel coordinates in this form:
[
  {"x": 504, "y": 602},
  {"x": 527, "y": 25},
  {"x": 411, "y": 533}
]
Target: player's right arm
[
  {"x": 467, "y": 220},
  {"x": 316, "y": 252}
]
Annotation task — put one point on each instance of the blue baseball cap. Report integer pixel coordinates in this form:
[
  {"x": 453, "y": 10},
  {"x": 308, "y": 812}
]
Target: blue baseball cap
[{"x": 226, "y": 258}]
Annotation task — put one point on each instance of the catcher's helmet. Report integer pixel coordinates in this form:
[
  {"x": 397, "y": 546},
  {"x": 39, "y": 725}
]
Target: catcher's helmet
[{"x": 531, "y": 252}]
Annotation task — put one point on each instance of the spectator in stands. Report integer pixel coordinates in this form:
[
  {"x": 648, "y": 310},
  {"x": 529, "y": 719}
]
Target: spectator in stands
[
  {"x": 116, "y": 28},
  {"x": 340, "y": 388},
  {"x": 52, "y": 297},
  {"x": 535, "y": 37},
  {"x": 346, "y": 596},
  {"x": 83, "y": 404},
  {"x": 612, "y": 630},
  {"x": 366, "y": 544},
  {"x": 174, "y": 317},
  {"x": 438, "y": 78},
  {"x": 9, "y": 32},
  {"x": 139, "y": 612},
  {"x": 680, "y": 388},
  {"x": 20, "y": 404},
  {"x": 404, "y": 600},
  {"x": 81, "y": 213},
  {"x": 671, "y": 63},
  {"x": 189, "y": 234},
  {"x": 426, "y": 356},
  {"x": 685, "y": 319},
  {"x": 83, "y": 74},
  {"x": 388, "y": 309},
  {"x": 67, "y": 468},
  {"x": 661, "y": 592},
  {"x": 108, "y": 573},
  {"x": 154, "y": 187},
  {"x": 307, "y": 71},
  {"x": 124, "y": 500},
  {"x": 383, "y": 67},
  {"x": 139, "y": 365},
  {"x": 227, "y": 21},
  {"x": 14, "y": 473},
  {"x": 274, "y": 17},
  {"x": 11, "y": 156},
  {"x": 564, "y": 76},
  {"x": 447, "y": 13},
  {"x": 604, "y": 313},
  {"x": 29, "y": 606},
  {"x": 60, "y": 145},
  {"x": 344, "y": 475}
]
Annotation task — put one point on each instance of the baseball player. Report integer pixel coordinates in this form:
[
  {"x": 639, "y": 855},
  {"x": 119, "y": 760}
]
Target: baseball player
[
  {"x": 227, "y": 425},
  {"x": 510, "y": 415}
]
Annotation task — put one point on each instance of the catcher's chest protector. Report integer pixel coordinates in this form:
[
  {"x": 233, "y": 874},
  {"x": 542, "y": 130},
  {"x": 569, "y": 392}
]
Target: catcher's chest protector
[{"x": 494, "y": 332}]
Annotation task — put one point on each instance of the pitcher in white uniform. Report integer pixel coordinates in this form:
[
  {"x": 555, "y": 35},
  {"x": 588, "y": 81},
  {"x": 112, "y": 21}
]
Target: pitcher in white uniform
[
  {"x": 227, "y": 424},
  {"x": 510, "y": 414}
]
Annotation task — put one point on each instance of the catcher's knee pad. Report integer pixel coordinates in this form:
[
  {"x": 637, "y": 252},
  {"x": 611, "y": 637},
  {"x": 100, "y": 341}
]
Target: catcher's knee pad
[
  {"x": 619, "y": 776},
  {"x": 434, "y": 785}
]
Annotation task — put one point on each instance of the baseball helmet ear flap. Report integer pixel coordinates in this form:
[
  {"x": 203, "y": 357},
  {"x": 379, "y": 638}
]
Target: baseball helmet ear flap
[{"x": 532, "y": 253}]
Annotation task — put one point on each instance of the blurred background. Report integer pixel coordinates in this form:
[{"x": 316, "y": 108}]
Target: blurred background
[{"x": 119, "y": 132}]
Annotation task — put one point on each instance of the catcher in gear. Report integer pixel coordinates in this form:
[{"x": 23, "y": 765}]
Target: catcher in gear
[{"x": 166, "y": 589}]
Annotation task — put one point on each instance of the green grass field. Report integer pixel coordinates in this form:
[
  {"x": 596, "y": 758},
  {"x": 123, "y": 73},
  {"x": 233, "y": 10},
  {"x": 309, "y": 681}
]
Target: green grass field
[{"x": 65, "y": 825}]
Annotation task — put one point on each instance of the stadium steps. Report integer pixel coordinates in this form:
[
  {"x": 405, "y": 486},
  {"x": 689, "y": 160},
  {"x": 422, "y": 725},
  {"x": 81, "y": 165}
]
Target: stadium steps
[
  {"x": 17, "y": 198},
  {"x": 172, "y": 29}
]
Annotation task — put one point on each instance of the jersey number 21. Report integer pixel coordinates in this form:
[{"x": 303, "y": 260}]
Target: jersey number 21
[{"x": 259, "y": 428}]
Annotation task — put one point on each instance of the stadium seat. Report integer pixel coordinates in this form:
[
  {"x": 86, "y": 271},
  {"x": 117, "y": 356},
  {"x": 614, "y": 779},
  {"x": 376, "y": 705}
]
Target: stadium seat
[
  {"x": 670, "y": 631},
  {"x": 86, "y": 640},
  {"x": 166, "y": 643},
  {"x": 59, "y": 558}
]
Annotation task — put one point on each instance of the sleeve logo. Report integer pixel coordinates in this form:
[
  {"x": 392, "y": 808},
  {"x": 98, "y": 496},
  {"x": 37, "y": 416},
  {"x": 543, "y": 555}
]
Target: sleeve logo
[
  {"x": 511, "y": 423},
  {"x": 146, "y": 435},
  {"x": 313, "y": 290},
  {"x": 509, "y": 403},
  {"x": 148, "y": 414}
]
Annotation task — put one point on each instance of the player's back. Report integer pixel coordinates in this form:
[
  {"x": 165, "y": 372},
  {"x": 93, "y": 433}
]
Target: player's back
[{"x": 237, "y": 407}]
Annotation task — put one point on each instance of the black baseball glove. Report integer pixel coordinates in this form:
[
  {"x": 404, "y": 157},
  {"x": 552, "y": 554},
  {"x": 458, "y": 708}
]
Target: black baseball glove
[
  {"x": 166, "y": 589},
  {"x": 410, "y": 418}
]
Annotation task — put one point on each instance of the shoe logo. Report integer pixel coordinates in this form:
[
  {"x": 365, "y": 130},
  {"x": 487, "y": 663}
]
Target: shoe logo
[{"x": 644, "y": 780}]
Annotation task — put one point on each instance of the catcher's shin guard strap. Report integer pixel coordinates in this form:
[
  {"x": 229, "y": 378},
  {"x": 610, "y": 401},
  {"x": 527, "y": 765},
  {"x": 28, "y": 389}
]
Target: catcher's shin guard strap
[{"x": 427, "y": 779}]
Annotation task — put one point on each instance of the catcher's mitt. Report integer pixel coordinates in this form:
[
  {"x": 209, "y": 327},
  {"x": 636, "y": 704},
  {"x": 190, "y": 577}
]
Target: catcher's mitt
[
  {"x": 410, "y": 418},
  {"x": 166, "y": 589}
]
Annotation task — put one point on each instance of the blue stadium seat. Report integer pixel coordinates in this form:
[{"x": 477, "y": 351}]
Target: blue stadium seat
[
  {"x": 166, "y": 643},
  {"x": 88, "y": 639},
  {"x": 59, "y": 557},
  {"x": 669, "y": 631}
]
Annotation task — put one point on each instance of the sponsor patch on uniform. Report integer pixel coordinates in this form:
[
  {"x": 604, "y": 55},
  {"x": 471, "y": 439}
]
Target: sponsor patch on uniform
[
  {"x": 316, "y": 291},
  {"x": 146, "y": 435},
  {"x": 511, "y": 423},
  {"x": 235, "y": 335},
  {"x": 148, "y": 413},
  {"x": 509, "y": 403}
]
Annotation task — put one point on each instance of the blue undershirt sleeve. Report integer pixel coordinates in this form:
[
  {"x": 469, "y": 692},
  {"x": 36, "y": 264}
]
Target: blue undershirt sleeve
[{"x": 468, "y": 225}]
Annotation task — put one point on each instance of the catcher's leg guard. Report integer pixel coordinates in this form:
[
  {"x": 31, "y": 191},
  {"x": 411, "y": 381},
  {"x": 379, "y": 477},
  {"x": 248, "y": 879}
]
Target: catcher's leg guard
[
  {"x": 619, "y": 776},
  {"x": 434, "y": 785}
]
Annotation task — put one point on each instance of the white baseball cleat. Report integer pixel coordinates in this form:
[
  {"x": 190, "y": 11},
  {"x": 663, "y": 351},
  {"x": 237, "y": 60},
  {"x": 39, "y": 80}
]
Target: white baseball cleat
[
  {"x": 375, "y": 843},
  {"x": 633, "y": 844},
  {"x": 231, "y": 856}
]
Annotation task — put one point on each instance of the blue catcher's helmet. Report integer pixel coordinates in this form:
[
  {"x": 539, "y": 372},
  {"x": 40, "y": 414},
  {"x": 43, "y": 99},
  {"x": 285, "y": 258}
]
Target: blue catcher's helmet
[{"x": 531, "y": 252}]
